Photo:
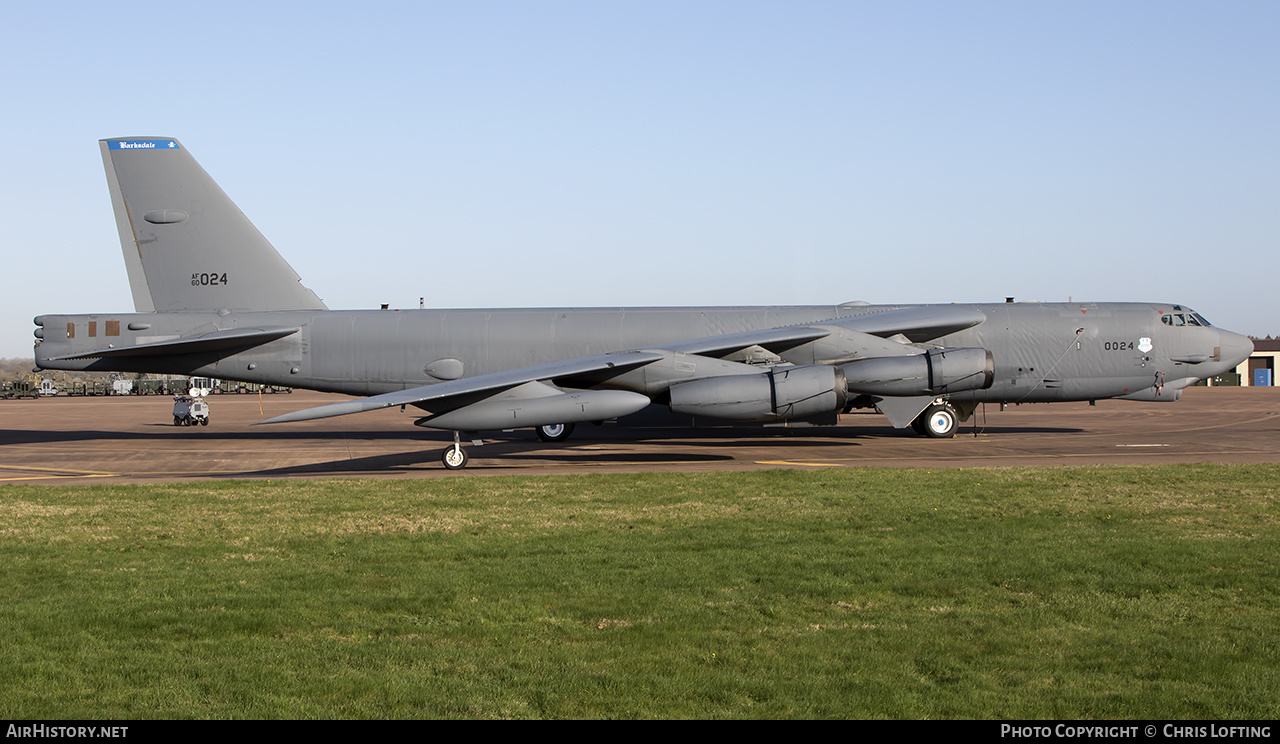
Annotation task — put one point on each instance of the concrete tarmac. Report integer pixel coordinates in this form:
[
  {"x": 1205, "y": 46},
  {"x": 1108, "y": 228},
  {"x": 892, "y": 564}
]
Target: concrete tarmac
[{"x": 133, "y": 439}]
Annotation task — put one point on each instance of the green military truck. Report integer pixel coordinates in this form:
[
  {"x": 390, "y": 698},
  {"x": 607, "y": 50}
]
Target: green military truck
[{"x": 19, "y": 389}]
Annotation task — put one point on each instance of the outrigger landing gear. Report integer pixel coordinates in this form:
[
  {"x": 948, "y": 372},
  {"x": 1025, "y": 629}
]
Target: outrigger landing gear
[{"x": 455, "y": 457}]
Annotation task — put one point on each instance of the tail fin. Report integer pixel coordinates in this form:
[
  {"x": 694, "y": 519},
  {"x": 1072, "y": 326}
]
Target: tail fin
[{"x": 186, "y": 245}]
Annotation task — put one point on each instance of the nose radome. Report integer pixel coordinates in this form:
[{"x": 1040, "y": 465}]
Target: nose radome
[{"x": 1235, "y": 348}]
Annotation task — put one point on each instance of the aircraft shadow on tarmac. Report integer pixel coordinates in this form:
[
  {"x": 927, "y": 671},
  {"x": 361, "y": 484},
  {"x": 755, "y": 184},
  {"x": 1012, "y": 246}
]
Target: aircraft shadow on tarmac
[
  {"x": 800, "y": 437},
  {"x": 724, "y": 442},
  {"x": 734, "y": 437},
  {"x": 170, "y": 433},
  {"x": 968, "y": 431},
  {"x": 701, "y": 438}
]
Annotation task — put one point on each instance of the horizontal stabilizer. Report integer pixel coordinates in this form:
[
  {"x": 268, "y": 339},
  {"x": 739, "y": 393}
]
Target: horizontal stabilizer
[
  {"x": 230, "y": 340},
  {"x": 471, "y": 387}
]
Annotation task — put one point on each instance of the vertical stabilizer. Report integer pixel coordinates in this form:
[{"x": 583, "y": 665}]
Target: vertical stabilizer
[{"x": 186, "y": 245}]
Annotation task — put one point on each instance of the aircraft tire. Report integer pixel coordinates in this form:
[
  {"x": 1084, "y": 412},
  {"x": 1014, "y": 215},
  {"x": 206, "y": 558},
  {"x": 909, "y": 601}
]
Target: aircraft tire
[
  {"x": 177, "y": 421},
  {"x": 454, "y": 458},
  {"x": 554, "y": 432},
  {"x": 204, "y": 421},
  {"x": 939, "y": 421}
]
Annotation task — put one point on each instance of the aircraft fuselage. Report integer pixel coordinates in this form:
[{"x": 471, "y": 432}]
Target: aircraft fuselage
[{"x": 1041, "y": 351}]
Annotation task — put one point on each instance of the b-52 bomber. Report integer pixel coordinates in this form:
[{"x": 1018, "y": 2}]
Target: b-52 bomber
[{"x": 215, "y": 299}]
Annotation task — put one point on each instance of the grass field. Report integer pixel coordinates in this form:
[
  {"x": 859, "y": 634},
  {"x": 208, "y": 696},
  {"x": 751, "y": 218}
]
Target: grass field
[{"x": 1087, "y": 592}]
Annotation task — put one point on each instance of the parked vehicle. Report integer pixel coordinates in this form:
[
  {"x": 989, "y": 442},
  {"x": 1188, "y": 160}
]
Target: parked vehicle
[
  {"x": 19, "y": 389},
  {"x": 189, "y": 411},
  {"x": 151, "y": 387}
]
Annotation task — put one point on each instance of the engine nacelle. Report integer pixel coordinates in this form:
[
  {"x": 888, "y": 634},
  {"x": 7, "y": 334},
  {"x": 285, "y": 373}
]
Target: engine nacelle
[
  {"x": 936, "y": 372},
  {"x": 781, "y": 393},
  {"x": 515, "y": 411}
]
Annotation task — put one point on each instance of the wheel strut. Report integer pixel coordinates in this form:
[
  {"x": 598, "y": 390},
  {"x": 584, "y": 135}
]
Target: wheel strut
[{"x": 455, "y": 457}]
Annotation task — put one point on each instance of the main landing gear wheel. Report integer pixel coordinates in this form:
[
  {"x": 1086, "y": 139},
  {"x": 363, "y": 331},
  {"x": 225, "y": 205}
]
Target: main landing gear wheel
[
  {"x": 455, "y": 457},
  {"x": 938, "y": 421},
  {"x": 554, "y": 432}
]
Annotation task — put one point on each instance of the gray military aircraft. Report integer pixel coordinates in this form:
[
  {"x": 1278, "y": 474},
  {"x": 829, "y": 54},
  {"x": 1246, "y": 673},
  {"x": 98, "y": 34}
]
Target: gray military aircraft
[{"x": 214, "y": 298}]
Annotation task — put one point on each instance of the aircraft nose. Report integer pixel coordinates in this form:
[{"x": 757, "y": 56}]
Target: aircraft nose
[{"x": 1235, "y": 348}]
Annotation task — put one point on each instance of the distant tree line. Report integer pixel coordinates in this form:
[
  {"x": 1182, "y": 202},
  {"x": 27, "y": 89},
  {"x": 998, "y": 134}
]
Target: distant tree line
[{"x": 16, "y": 369}]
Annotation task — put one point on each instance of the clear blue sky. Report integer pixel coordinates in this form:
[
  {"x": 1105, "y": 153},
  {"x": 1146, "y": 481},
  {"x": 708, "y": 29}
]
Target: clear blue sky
[{"x": 506, "y": 154}]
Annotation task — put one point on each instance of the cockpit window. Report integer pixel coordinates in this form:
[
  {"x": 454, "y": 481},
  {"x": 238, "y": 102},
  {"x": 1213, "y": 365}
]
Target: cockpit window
[{"x": 1181, "y": 319}]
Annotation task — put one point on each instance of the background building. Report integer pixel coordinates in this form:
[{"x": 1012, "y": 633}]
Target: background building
[{"x": 1260, "y": 368}]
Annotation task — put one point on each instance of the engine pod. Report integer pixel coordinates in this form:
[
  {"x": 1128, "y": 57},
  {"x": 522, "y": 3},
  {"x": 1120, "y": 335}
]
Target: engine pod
[
  {"x": 936, "y": 372},
  {"x": 781, "y": 393},
  {"x": 514, "y": 412}
]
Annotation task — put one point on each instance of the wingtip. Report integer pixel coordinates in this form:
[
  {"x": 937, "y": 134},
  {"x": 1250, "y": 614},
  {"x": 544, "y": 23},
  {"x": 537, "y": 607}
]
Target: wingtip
[
  {"x": 333, "y": 409},
  {"x": 303, "y": 415}
]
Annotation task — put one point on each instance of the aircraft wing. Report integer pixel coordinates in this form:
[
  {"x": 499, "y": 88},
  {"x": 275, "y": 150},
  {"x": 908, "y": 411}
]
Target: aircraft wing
[
  {"x": 480, "y": 385},
  {"x": 774, "y": 339},
  {"x": 918, "y": 323},
  {"x": 611, "y": 363},
  {"x": 914, "y": 323}
]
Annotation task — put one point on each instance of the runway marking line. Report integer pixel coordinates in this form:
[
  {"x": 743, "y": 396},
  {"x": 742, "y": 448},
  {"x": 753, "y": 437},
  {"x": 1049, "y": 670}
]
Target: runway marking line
[{"x": 54, "y": 473}]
